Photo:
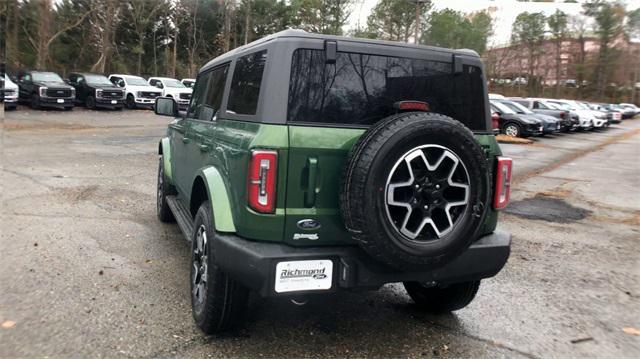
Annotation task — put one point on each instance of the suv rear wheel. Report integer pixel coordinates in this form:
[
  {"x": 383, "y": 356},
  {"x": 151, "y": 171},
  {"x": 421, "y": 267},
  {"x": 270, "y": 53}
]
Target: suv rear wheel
[
  {"x": 217, "y": 301},
  {"x": 415, "y": 190},
  {"x": 442, "y": 299}
]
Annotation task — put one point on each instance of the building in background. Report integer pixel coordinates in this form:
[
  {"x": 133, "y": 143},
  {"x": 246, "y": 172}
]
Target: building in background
[{"x": 578, "y": 57}]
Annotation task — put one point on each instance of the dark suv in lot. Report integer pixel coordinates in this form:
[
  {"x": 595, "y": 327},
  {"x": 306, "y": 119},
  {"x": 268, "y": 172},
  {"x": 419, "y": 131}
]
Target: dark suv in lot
[
  {"x": 514, "y": 124},
  {"x": 94, "y": 90},
  {"x": 45, "y": 89},
  {"x": 307, "y": 164}
]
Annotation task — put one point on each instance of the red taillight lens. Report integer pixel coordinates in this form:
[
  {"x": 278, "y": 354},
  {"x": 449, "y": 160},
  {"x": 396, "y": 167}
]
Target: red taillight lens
[
  {"x": 503, "y": 183},
  {"x": 495, "y": 120},
  {"x": 411, "y": 106},
  {"x": 262, "y": 181},
  {"x": 563, "y": 115}
]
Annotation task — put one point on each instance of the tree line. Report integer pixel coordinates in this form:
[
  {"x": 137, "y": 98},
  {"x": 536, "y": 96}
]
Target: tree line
[
  {"x": 175, "y": 37},
  {"x": 611, "y": 26}
]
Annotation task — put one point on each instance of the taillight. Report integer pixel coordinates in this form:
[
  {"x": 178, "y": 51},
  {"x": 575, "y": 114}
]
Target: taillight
[
  {"x": 503, "y": 183},
  {"x": 262, "y": 181},
  {"x": 411, "y": 106},
  {"x": 563, "y": 115},
  {"x": 495, "y": 120}
]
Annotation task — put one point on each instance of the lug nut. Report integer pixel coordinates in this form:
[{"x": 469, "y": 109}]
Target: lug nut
[
  {"x": 426, "y": 207},
  {"x": 437, "y": 186},
  {"x": 417, "y": 186}
]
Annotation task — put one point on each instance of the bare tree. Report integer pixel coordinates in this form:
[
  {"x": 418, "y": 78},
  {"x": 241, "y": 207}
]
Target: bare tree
[
  {"x": 578, "y": 28},
  {"x": 558, "y": 26},
  {"x": 104, "y": 18},
  {"x": 142, "y": 12}
]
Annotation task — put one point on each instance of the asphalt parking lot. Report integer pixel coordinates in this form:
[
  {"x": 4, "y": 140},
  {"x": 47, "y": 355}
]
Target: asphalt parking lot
[{"x": 88, "y": 271}]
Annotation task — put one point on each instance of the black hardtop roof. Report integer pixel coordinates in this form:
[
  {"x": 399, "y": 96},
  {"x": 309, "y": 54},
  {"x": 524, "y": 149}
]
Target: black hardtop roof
[{"x": 301, "y": 34}]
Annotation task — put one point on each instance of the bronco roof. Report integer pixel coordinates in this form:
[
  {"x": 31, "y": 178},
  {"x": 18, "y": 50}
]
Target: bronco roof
[{"x": 301, "y": 34}]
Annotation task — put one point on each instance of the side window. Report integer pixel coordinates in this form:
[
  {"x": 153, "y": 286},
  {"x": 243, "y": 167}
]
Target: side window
[
  {"x": 198, "y": 96},
  {"x": 245, "y": 85},
  {"x": 73, "y": 78},
  {"x": 216, "y": 87},
  {"x": 80, "y": 79},
  {"x": 207, "y": 94},
  {"x": 27, "y": 77}
]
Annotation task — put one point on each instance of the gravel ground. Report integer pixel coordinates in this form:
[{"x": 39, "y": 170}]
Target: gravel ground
[{"x": 88, "y": 271}]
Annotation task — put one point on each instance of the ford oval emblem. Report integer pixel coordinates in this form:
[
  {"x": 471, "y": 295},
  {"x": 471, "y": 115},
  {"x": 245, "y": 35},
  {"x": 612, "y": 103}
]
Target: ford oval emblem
[{"x": 308, "y": 224}]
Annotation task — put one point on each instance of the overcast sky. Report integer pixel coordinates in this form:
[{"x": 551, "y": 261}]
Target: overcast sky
[{"x": 507, "y": 10}]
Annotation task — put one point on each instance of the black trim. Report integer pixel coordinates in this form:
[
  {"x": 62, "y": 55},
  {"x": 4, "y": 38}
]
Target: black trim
[{"x": 253, "y": 264}]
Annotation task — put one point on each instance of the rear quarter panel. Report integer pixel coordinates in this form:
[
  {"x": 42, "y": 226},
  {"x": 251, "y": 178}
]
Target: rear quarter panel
[{"x": 234, "y": 142}]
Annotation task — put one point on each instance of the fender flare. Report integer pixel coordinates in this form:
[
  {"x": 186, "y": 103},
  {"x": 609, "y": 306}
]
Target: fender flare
[
  {"x": 164, "y": 149},
  {"x": 219, "y": 199}
]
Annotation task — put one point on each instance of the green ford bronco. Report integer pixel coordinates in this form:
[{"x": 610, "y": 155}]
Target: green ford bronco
[{"x": 307, "y": 164}]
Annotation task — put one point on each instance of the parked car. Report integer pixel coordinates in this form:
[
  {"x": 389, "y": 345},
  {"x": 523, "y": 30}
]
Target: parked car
[
  {"x": 45, "y": 89},
  {"x": 627, "y": 113},
  {"x": 138, "y": 92},
  {"x": 10, "y": 94},
  {"x": 600, "y": 118},
  {"x": 550, "y": 124},
  {"x": 96, "y": 91},
  {"x": 567, "y": 121},
  {"x": 260, "y": 175},
  {"x": 513, "y": 124},
  {"x": 631, "y": 107},
  {"x": 174, "y": 89},
  {"x": 614, "y": 115},
  {"x": 188, "y": 82},
  {"x": 587, "y": 117}
]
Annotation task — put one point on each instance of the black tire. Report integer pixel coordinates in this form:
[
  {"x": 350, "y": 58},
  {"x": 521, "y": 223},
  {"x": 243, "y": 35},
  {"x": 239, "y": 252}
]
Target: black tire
[
  {"x": 163, "y": 190},
  {"x": 369, "y": 169},
  {"x": 35, "y": 102},
  {"x": 512, "y": 129},
  {"x": 68, "y": 108},
  {"x": 91, "y": 103},
  {"x": 219, "y": 303},
  {"x": 442, "y": 299},
  {"x": 130, "y": 102}
]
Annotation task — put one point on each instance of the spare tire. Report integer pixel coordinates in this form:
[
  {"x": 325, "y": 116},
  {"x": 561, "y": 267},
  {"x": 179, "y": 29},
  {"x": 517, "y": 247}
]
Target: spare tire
[{"x": 415, "y": 190}]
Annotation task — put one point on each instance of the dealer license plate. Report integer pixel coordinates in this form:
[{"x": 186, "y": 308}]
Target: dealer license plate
[
  {"x": 60, "y": 100},
  {"x": 113, "y": 102},
  {"x": 303, "y": 275}
]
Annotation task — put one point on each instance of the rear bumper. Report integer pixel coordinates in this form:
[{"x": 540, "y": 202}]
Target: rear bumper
[{"x": 254, "y": 264}]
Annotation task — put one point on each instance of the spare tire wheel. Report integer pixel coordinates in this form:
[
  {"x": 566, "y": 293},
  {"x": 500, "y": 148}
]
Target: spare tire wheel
[{"x": 415, "y": 190}]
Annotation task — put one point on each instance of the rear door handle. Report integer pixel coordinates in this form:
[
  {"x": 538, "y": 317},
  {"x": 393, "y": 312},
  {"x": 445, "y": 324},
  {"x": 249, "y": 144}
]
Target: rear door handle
[
  {"x": 186, "y": 140},
  {"x": 310, "y": 195},
  {"x": 204, "y": 148}
]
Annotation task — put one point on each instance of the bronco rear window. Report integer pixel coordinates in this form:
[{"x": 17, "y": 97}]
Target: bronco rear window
[{"x": 360, "y": 89}]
